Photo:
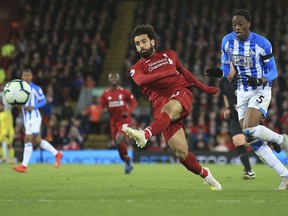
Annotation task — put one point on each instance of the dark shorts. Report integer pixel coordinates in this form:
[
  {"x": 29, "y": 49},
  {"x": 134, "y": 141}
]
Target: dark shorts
[{"x": 234, "y": 126}]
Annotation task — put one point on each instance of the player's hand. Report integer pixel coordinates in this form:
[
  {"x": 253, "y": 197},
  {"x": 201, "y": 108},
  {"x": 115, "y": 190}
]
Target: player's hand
[
  {"x": 214, "y": 72},
  {"x": 252, "y": 81},
  {"x": 211, "y": 90},
  {"x": 227, "y": 113}
]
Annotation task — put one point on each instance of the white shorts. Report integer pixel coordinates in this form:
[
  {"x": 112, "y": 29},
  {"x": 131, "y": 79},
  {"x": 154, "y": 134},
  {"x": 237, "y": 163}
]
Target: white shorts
[
  {"x": 258, "y": 99},
  {"x": 33, "y": 126}
]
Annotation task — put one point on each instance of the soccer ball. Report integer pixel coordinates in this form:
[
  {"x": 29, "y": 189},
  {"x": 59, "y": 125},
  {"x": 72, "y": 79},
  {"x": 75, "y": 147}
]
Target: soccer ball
[{"x": 17, "y": 92}]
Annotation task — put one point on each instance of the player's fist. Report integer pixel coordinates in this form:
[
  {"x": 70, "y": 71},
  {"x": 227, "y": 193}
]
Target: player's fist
[
  {"x": 214, "y": 72},
  {"x": 252, "y": 81}
]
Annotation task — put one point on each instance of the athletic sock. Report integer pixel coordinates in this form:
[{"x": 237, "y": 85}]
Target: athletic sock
[
  {"x": 48, "y": 147},
  {"x": 158, "y": 125},
  {"x": 264, "y": 133},
  {"x": 243, "y": 155},
  {"x": 192, "y": 164},
  {"x": 5, "y": 151},
  {"x": 265, "y": 153},
  {"x": 28, "y": 149},
  {"x": 123, "y": 152},
  {"x": 12, "y": 155}
]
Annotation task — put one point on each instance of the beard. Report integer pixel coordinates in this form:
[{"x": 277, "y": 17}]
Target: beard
[{"x": 145, "y": 53}]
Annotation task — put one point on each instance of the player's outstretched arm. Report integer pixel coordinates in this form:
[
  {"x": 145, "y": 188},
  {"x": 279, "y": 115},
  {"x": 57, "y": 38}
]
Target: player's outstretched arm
[
  {"x": 198, "y": 84},
  {"x": 142, "y": 79}
]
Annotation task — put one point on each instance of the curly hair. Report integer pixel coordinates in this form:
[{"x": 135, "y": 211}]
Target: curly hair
[
  {"x": 244, "y": 13},
  {"x": 144, "y": 29}
]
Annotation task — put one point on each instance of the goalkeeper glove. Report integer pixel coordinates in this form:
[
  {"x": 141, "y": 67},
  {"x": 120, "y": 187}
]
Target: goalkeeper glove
[
  {"x": 214, "y": 72},
  {"x": 252, "y": 81}
]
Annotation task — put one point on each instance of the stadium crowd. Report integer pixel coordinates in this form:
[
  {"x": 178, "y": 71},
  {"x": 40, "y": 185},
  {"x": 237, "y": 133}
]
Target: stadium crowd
[{"x": 65, "y": 42}]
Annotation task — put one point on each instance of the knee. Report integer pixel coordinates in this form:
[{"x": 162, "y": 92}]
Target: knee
[
  {"x": 181, "y": 153},
  {"x": 249, "y": 132}
]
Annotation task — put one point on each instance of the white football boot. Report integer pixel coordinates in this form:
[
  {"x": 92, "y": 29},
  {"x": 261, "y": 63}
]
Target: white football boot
[
  {"x": 211, "y": 181},
  {"x": 283, "y": 183},
  {"x": 137, "y": 135}
]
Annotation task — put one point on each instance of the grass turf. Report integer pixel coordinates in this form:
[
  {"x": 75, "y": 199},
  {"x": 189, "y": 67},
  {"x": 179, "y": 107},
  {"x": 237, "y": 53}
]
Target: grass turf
[{"x": 157, "y": 189}]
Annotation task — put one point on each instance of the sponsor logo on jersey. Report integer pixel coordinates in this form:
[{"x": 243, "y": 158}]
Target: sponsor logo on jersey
[{"x": 115, "y": 103}]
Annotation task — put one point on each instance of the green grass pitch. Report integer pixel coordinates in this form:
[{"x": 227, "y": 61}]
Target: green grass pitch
[{"x": 156, "y": 189}]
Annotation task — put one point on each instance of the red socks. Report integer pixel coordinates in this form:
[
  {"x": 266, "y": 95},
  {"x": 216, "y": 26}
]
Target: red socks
[
  {"x": 123, "y": 152},
  {"x": 192, "y": 164},
  {"x": 158, "y": 125}
]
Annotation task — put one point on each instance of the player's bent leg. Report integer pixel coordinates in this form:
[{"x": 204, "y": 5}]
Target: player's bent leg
[
  {"x": 192, "y": 165},
  {"x": 123, "y": 153},
  {"x": 179, "y": 146},
  {"x": 50, "y": 148},
  {"x": 263, "y": 133},
  {"x": 265, "y": 153}
]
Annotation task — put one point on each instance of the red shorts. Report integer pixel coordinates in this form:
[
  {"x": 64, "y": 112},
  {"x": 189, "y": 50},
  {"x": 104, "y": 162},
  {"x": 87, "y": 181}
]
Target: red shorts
[
  {"x": 116, "y": 127},
  {"x": 185, "y": 98}
]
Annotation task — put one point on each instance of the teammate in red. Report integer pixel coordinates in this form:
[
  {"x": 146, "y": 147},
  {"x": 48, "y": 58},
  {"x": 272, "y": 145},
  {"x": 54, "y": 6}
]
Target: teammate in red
[
  {"x": 165, "y": 82},
  {"x": 120, "y": 104}
]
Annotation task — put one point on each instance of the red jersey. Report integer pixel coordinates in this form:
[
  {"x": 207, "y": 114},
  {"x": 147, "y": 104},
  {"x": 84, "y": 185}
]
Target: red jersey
[
  {"x": 159, "y": 74},
  {"x": 118, "y": 101}
]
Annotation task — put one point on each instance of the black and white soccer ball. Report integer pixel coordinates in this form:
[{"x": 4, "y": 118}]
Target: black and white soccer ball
[{"x": 17, "y": 92}]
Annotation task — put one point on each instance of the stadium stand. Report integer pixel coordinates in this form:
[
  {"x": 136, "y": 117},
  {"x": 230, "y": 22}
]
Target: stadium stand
[{"x": 72, "y": 45}]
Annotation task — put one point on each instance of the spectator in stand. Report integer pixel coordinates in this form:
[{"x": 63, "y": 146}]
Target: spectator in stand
[
  {"x": 93, "y": 112},
  {"x": 120, "y": 104}
]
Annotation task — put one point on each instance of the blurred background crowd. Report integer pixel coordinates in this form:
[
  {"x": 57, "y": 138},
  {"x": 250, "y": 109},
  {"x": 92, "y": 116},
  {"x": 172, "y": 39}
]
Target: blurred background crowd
[{"x": 71, "y": 46}]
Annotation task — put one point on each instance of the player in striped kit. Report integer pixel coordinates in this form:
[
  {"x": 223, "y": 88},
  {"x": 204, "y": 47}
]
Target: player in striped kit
[
  {"x": 32, "y": 123},
  {"x": 252, "y": 58}
]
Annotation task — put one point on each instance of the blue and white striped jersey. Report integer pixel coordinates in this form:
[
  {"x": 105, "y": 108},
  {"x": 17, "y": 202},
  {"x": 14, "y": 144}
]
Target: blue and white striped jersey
[
  {"x": 252, "y": 57},
  {"x": 37, "y": 100}
]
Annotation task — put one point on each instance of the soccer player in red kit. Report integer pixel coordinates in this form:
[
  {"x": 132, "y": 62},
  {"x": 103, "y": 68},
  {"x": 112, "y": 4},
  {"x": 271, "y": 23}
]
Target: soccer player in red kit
[
  {"x": 165, "y": 82},
  {"x": 120, "y": 104}
]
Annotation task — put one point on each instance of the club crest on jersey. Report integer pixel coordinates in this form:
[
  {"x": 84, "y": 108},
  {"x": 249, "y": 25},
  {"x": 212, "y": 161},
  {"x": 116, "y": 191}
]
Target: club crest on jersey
[{"x": 132, "y": 72}]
